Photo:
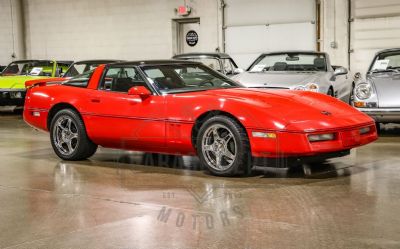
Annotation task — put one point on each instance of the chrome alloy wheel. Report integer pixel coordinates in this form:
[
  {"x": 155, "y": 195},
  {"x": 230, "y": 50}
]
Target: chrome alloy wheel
[
  {"x": 65, "y": 135},
  {"x": 219, "y": 147}
]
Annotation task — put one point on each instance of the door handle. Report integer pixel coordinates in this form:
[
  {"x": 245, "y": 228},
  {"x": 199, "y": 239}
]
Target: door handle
[{"x": 95, "y": 100}]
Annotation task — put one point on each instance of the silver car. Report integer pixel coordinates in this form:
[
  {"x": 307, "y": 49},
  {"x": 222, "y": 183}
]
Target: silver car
[
  {"x": 378, "y": 95},
  {"x": 298, "y": 70}
]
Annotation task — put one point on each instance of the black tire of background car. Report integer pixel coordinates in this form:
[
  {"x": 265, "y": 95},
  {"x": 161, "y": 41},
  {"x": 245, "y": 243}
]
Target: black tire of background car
[
  {"x": 330, "y": 92},
  {"x": 86, "y": 148},
  {"x": 243, "y": 162},
  {"x": 351, "y": 97},
  {"x": 378, "y": 128}
]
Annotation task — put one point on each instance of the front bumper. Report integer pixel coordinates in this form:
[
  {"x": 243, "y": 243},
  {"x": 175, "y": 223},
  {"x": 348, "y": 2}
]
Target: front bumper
[
  {"x": 382, "y": 114},
  {"x": 12, "y": 97},
  {"x": 297, "y": 144},
  {"x": 287, "y": 162}
]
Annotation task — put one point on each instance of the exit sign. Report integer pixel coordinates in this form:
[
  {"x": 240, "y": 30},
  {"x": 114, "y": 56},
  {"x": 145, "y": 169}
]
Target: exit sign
[{"x": 183, "y": 10}]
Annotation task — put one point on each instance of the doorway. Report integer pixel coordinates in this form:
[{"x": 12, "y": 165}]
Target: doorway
[{"x": 187, "y": 35}]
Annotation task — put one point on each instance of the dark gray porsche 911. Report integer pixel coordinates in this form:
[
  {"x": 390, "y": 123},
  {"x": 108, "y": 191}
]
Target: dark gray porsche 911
[{"x": 378, "y": 95}]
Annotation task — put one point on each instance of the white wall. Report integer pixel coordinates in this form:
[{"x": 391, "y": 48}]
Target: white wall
[
  {"x": 11, "y": 30},
  {"x": 115, "y": 29},
  {"x": 258, "y": 26},
  {"x": 335, "y": 30},
  {"x": 376, "y": 26}
]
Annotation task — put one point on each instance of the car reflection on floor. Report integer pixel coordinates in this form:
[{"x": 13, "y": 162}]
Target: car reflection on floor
[{"x": 129, "y": 159}]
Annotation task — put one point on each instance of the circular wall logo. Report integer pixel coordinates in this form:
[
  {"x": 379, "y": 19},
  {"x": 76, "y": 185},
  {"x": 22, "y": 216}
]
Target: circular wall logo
[{"x": 192, "y": 38}]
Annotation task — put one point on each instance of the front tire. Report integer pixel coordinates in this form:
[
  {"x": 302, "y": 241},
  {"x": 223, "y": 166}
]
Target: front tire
[
  {"x": 69, "y": 138},
  {"x": 223, "y": 147}
]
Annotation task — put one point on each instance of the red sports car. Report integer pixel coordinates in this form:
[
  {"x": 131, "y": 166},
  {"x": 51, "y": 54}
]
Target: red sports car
[{"x": 185, "y": 108}]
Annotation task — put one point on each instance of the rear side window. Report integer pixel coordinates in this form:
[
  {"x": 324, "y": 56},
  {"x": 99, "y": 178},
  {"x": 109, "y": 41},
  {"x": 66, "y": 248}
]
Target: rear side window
[
  {"x": 81, "y": 80},
  {"x": 121, "y": 79}
]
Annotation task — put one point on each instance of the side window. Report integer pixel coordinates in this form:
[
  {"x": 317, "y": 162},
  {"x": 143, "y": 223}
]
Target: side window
[
  {"x": 121, "y": 79},
  {"x": 228, "y": 68},
  {"x": 81, "y": 80}
]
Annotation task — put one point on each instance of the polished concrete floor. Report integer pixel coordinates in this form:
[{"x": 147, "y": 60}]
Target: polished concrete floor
[{"x": 114, "y": 201}]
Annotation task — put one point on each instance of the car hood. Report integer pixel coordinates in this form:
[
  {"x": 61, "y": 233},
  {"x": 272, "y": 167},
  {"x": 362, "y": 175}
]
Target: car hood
[
  {"x": 277, "y": 79},
  {"x": 387, "y": 87},
  {"x": 295, "y": 110},
  {"x": 16, "y": 81}
]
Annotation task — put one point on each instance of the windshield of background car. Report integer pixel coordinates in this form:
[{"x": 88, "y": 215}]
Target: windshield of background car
[
  {"x": 212, "y": 63},
  {"x": 79, "y": 68},
  {"x": 32, "y": 68},
  {"x": 387, "y": 62},
  {"x": 290, "y": 62},
  {"x": 81, "y": 80},
  {"x": 186, "y": 78}
]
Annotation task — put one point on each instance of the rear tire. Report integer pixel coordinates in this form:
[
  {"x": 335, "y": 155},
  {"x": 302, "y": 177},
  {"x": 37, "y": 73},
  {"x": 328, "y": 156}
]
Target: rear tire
[
  {"x": 223, "y": 147},
  {"x": 69, "y": 138}
]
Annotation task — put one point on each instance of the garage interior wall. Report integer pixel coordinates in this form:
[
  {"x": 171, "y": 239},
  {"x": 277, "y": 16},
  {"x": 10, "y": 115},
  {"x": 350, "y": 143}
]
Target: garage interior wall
[
  {"x": 109, "y": 29},
  {"x": 334, "y": 28},
  {"x": 257, "y": 26},
  {"x": 11, "y": 28},
  {"x": 139, "y": 29},
  {"x": 375, "y": 26}
]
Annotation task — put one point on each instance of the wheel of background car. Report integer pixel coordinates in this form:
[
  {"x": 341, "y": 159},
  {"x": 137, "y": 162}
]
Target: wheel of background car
[
  {"x": 351, "y": 98},
  {"x": 69, "y": 138},
  {"x": 223, "y": 147},
  {"x": 378, "y": 127},
  {"x": 330, "y": 92}
]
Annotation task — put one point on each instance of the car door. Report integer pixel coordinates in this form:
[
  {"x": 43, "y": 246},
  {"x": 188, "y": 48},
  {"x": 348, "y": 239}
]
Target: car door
[{"x": 125, "y": 121}]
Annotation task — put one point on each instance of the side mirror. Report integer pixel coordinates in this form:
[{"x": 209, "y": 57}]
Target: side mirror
[
  {"x": 238, "y": 71},
  {"x": 340, "y": 71},
  {"x": 141, "y": 91}
]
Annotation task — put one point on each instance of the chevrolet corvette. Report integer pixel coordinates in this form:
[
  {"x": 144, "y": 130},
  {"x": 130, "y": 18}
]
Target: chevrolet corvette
[{"x": 185, "y": 108}]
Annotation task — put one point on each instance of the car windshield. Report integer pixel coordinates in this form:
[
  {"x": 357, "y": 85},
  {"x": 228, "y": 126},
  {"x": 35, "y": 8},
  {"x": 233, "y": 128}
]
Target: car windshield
[
  {"x": 33, "y": 68},
  {"x": 186, "y": 77},
  {"x": 80, "y": 68},
  {"x": 386, "y": 62},
  {"x": 227, "y": 66},
  {"x": 289, "y": 62},
  {"x": 81, "y": 80}
]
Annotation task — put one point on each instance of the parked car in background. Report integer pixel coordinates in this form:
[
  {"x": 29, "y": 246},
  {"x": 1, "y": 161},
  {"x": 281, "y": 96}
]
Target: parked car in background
[
  {"x": 14, "y": 76},
  {"x": 378, "y": 95},
  {"x": 185, "y": 108},
  {"x": 81, "y": 67},
  {"x": 220, "y": 62},
  {"x": 76, "y": 68},
  {"x": 298, "y": 70}
]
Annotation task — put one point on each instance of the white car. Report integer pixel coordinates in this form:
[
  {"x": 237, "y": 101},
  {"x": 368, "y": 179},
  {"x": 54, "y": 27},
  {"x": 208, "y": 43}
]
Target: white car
[{"x": 298, "y": 70}]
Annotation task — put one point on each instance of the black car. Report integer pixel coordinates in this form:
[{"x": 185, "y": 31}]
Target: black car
[
  {"x": 220, "y": 62},
  {"x": 81, "y": 67}
]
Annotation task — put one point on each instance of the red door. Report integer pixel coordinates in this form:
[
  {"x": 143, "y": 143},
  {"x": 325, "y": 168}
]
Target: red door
[{"x": 116, "y": 119}]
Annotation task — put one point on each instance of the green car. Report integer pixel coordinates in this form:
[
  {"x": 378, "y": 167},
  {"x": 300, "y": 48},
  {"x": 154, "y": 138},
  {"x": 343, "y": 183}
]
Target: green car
[{"x": 14, "y": 76}]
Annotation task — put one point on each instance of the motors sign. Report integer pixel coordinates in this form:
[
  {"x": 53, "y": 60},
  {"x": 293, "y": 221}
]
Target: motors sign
[{"x": 192, "y": 38}]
